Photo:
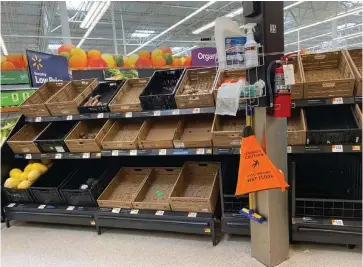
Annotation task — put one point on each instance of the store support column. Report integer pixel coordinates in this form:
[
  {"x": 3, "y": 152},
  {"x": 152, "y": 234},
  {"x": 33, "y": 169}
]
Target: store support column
[{"x": 270, "y": 240}]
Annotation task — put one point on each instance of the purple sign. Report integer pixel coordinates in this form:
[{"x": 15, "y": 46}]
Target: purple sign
[{"x": 205, "y": 56}]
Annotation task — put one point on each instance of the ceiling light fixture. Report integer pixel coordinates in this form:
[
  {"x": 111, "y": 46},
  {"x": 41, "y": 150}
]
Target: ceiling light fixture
[
  {"x": 292, "y": 5},
  {"x": 142, "y": 33},
  {"x": 3, "y": 47},
  {"x": 211, "y": 24},
  {"x": 356, "y": 10},
  {"x": 185, "y": 50},
  {"x": 174, "y": 26},
  {"x": 96, "y": 7},
  {"x": 95, "y": 21}
]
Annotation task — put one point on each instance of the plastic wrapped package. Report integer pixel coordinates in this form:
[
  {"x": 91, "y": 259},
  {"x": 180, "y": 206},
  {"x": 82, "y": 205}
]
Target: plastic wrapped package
[{"x": 228, "y": 98}]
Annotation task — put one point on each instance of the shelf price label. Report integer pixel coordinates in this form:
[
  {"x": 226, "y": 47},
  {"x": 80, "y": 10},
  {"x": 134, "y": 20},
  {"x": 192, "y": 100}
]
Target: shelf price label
[
  {"x": 337, "y": 148},
  {"x": 58, "y": 156},
  {"x": 86, "y": 155},
  {"x": 356, "y": 148},
  {"x": 159, "y": 213},
  {"x": 114, "y": 153},
  {"x": 116, "y": 210},
  {"x": 38, "y": 119},
  {"x": 200, "y": 151},
  {"x": 157, "y": 113},
  {"x": 70, "y": 208},
  {"x": 134, "y": 211},
  {"x": 192, "y": 214},
  {"x": 175, "y": 112},
  {"x": 289, "y": 149},
  {"x": 100, "y": 116},
  {"x": 28, "y": 156},
  {"x": 11, "y": 205},
  {"x": 128, "y": 115},
  {"x": 196, "y": 110},
  {"x": 69, "y": 117},
  {"x": 162, "y": 152},
  {"x": 133, "y": 152},
  {"x": 41, "y": 207},
  {"x": 337, "y": 100},
  {"x": 337, "y": 222}
]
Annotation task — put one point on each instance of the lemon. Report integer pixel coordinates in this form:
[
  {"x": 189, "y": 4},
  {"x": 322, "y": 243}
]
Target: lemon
[
  {"x": 11, "y": 182},
  {"x": 24, "y": 184},
  {"x": 28, "y": 168},
  {"x": 34, "y": 175},
  {"x": 15, "y": 173},
  {"x": 23, "y": 176},
  {"x": 39, "y": 166}
]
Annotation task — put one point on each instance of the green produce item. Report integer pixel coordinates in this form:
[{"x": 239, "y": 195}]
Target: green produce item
[
  {"x": 119, "y": 61},
  {"x": 116, "y": 74},
  {"x": 5, "y": 131},
  {"x": 168, "y": 59}
]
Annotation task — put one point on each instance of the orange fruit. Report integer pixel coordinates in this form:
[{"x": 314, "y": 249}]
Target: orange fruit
[
  {"x": 188, "y": 61},
  {"x": 127, "y": 65},
  {"x": 77, "y": 62},
  {"x": 159, "y": 61},
  {"x": 79, "y": 52},
  {"x": 144, "y": 54},
  {"x": 65, "y": 48},
  {"x": 177, "y": 62},
  {"x": 94, "y": 54},
  {"x": 7, "y": 65},
  {"x": 155, "y": 53},
  {"x": 166, "y": 50},
  {"x": 13, "y": 58},
  {"x": 143, "y": 62},
  {"x": 96, "y": 63}
]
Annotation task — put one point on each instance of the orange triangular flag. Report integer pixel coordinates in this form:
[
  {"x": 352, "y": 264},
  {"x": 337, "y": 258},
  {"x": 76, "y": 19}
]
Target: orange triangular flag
[{"x": 256, "y": 171}]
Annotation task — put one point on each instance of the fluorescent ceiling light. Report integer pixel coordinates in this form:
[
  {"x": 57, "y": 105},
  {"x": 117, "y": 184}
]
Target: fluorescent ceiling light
[
  {"x": 176, "y": 49},
  {"x": 53, "y": 46},
  {"x": 142, "y": 33},
  {"x": 292, "y": 5},
  {"x": 346, "y": 37},
  {"x": 3, "y": 47},
  {"x": 356, "y": 10},
  {"x": 211, "y": 24},
  {"x": 95, "y": 21},
  {"x": 91, "y": 14},
  {"x": 185, "y": 50},
  {"x": 174, "y": 26},
  {"x": 343, "y": 26}
]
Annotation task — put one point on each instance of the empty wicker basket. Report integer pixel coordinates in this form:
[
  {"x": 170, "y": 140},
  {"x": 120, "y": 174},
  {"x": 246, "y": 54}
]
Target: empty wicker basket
[{"x": 296, "y": 128}]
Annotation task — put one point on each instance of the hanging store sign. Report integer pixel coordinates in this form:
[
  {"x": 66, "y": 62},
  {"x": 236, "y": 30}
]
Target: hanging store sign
[
  {"x": 46, "y": 67},
  {"x": 205, "y": 56},
  {"x": 14, "y": 77}
]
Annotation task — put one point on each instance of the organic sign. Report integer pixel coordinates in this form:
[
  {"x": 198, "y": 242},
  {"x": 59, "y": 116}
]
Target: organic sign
[
  {"x": 46, "y": 67},
  {"x": 205, "y": 56}
]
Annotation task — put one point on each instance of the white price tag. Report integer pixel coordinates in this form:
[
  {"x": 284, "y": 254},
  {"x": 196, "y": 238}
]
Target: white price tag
[
  {"x": 337, "y": 222},
  {"x": 289, "y": 74},
  {"x": 337, "y": 148},
  {"x": 70, "y": 208},
  {"x": 38, "y": 119},
  {"x": 100, "y": 116},
  {"x": 11, "y": 205},
  {"x": 58, "y": 156},
  {"x": 69, "y": 117},
  {"x": 196, "y": 110},
  {"x": 162, "y": 152},
  {"x": 116, "y": 210},
  {"x": 86, "y": 155},
  {"x": 28, "y": 156},
  {"x": 114, "y": 153},
  {"x": 133, "y": 152},
  {"x": 159, "y": 212},
  {"x": 200, "y": 151},
  {"x": 192, "y": 214},
  {"x": 157, "y": 113},
  {"x": 60, "y": 149},
  {"x": 289, "y": 149},
  {"x": 128, "y": 115},
  {"x": 134, "y": 211},
  {"x": 338, "y": 100},
  {"x": 175, "y": 111},
  {"x": 41, "y": 206}
]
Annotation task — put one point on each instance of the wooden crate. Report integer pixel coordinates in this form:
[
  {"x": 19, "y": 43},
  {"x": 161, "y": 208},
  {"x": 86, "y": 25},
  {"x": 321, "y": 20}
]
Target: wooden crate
[
  {"x": 35, "y": 105},
  {"x": 127, "y": 98},
  {"x": 66, "y": 101},
  {"x": 222, "y": 75},
  {"x": 96, "y": 128},
  {"x": 327, "y": 75},
  {"x": 23, "y": 140},
  {"x": 155, "y": 191},
  {"x": 297, "y": 90},
  {"x": 358, "y": 114},
  {"x": 296, "y": 128},
  {"x": 122, "y": 135},
  {"x": 227, "y": 131},
  {"x": 122, "y": 190},
  {"x": 354, "y": 57},
  {"x": 196, "y": 88},
  {"x": 197, "y": 188}
]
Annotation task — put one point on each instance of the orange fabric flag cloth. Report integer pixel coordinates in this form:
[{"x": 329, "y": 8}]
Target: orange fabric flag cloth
[{"x": 256, "y": 171}]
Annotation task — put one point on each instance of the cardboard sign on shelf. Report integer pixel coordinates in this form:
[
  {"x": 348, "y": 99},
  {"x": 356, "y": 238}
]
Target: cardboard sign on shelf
[{"x": 256, "y": 171}]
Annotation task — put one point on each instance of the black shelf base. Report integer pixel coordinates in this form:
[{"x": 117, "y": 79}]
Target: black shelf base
[
  {"x": 235, "y": 224},
  {"x": 169, "y": 221},
  {"x": 317, "y": 230}
]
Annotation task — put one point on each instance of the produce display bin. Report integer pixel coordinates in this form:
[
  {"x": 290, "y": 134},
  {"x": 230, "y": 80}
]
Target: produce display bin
[
  {"x": 35, "y": 105},
  {"x": 46, "y": 189},
  {"x": 354, "y": 57},
  {"x": 160, "y": 91},
  {"x": 51, "y": 139},
  {"x": 127, "y": 98},
  {"x": 194, "y": 131},
  {"x": 227, "y": 131},
  {"x": 23, "y": 140},
  {"x": 155, "y": 191},
  {"x": 197, "y": 188},
  {"x": 297, "y": 90},
  {"x": 67, "y": 100},
  {"x": 122, "y": 190},
  {"x": 296, "y": 128},
  {"x": 123, "y": 135},
  {"x": 327, "y": 75},
  {"x": 86, "y": 136},
  {"x": 227, "y": 75},
  {"x": 18, "y": 195},
  {"x": 196, "y": 88},
  {"x": 158, "y": 133},
  {"x": 100, "y": 98},
  {"x": 96, "y": 176},
  {"x": 333, "y": 125}
]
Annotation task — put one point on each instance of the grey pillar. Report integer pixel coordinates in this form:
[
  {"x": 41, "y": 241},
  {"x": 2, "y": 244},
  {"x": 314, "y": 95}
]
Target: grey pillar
[{"x": 66, "y": 33}]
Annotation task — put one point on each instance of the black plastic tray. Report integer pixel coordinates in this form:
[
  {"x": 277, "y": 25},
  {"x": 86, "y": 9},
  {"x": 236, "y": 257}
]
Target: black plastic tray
[
  {"x": 332, "y": 125},
  {"x": 18, "y": 195},
  {"x": 51, "y": 139},
  {"x": 107, "y": 90},
  {"x": 160, "y": 91}
]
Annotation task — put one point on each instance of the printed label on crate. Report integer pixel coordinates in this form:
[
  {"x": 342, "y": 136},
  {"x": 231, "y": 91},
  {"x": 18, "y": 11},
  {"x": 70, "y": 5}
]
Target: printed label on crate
[
  {"x": 337, "y": 148},
  {"x": 133, "y": 152},
  {"x": 38, "y": 119},
  {"x": 192, "y": 214},
  {"x": 70, "y": 208},
  {"x": 69, "y": 117},
  {"x": 114, "y": 153},
  {"x": 206, "y": 230},
  {"x": 134, "y": 211},
  {"x": 28, "y": 156},
  {"x": 289, "y": 76},
  {"x": 289, "y": 149},
  {"x": 356, "y": 148},
  {"x": 86, "y": 155},
  {"x": 157, "y": 113},
  {"x": 11, "y": 205},
  {"x": 41, "y": 206},
  {"x": 175, "y": 112},
  {"x": 159, "y": 212},
  {"x": 162, "y": 152},
  {"x": 59, "y": 149},
  {"x": 338, "y": 100},
  {"x": 128, "y": 115},
  {"x": 200, "y": 151},
  {"x": 337, "y": 222},
  {"x": 178, "y": 144},
  {"x": 58, "y": 156},
  {"x": 196, "y": 110},
  {"x": 116, "y": 210}
]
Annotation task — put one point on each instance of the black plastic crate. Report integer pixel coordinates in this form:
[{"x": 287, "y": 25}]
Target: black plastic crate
[
  {"x": 107, "y": 90},
  {"x": 51, "y": 139},
  {"x": 74, "y": 195},
  {"x": 332, "y": 125},
  {"x": 160, "y": 91},
  {"x": 46, "y": 189},
  {"x": 18, "y": 195}
]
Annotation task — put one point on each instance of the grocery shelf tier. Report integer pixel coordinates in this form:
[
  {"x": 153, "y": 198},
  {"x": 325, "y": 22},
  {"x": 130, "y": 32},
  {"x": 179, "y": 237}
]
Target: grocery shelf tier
[
  {"x": 158, "y": 152},
  {"x": 65, "y": 155},
  {"x": 325, "y": 101},
  {"x": 313, "y": 149}
]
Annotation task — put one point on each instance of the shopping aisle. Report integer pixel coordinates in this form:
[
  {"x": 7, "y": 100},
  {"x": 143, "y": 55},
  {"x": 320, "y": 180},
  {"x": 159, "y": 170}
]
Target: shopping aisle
[{"x": 48, "y": 245}]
